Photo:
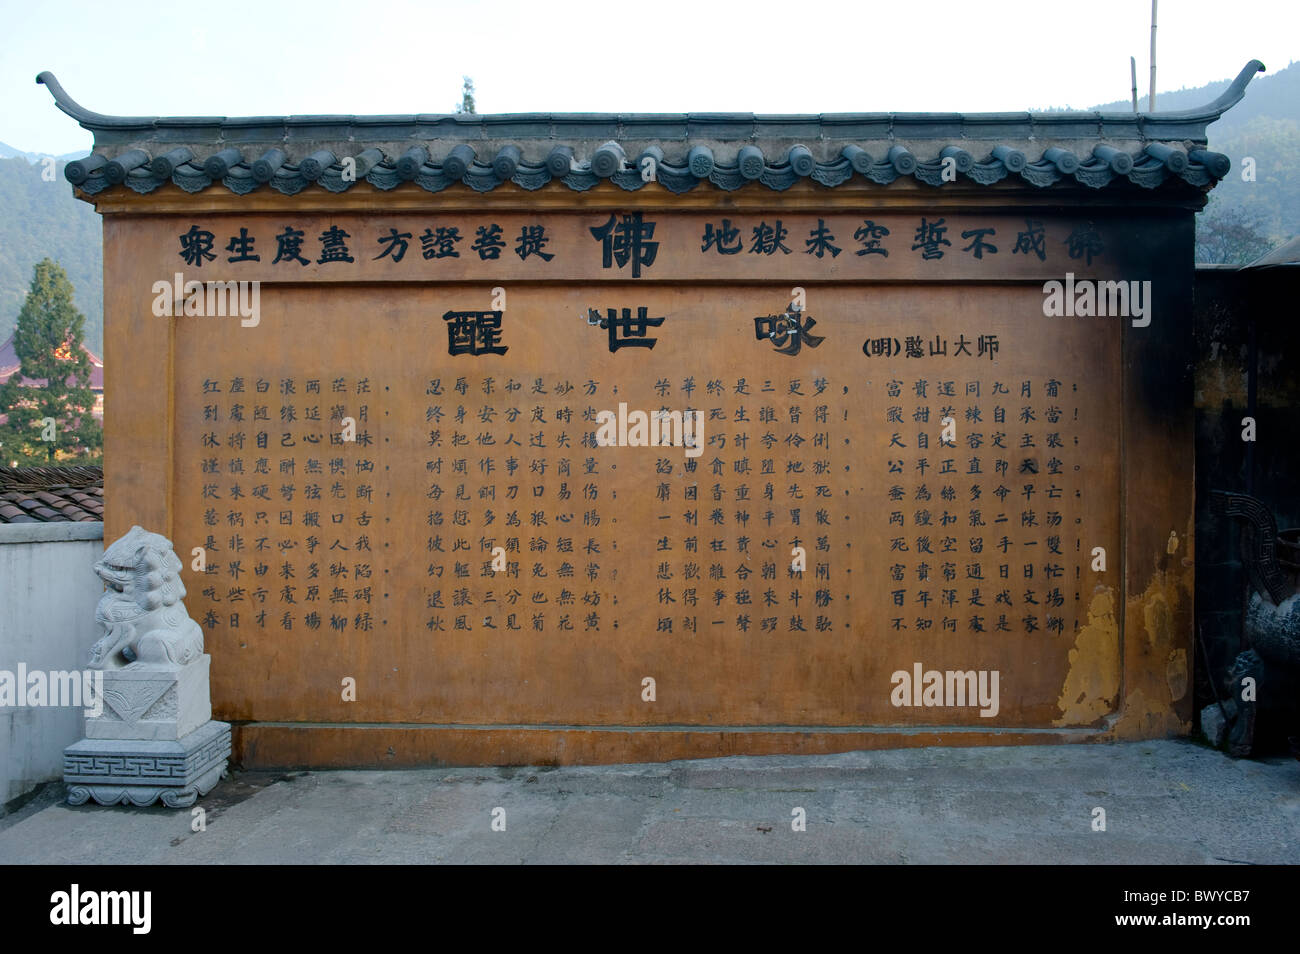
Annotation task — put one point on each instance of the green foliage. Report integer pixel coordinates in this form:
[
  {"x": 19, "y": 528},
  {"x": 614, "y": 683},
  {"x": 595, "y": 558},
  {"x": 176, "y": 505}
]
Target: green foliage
[
  {"x": 42, "y": 219},
  {"x": 48, "y": 342},
  {"x": 1264, "y": 126},
  {"x": 1273, "y": 198},
  {"x": 466, "y": 106}
]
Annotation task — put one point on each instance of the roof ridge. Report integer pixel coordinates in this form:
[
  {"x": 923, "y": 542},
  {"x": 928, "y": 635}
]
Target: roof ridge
[
  {"x": 291, "y": 153},
  {"x": 103, "y": 122}
]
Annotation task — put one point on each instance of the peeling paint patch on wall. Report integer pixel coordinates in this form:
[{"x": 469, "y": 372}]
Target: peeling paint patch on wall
[
  {"x": 1157, "y": 670},
  {"x": 1091, "y": 687}
]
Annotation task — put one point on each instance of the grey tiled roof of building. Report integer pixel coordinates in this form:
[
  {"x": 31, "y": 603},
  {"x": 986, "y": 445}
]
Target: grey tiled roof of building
[
  {"x": 729, "y": 150},
  {"x": 51, "y": 494}
]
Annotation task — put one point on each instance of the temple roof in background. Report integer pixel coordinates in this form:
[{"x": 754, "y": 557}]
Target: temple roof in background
[{"x": 10, "y": 364}]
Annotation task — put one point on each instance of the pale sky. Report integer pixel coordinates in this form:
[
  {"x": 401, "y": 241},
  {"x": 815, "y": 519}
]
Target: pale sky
[{"x": 236, "y": 58}]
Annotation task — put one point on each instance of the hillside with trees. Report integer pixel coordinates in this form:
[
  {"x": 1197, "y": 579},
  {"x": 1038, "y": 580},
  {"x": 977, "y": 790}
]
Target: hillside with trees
[
  {"x": 1265, "y": 127},
  {"x": 41, "y": 219}
]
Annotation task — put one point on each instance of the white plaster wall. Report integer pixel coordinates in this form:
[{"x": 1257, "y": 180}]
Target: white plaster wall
[{"x": 48, "y": 593}]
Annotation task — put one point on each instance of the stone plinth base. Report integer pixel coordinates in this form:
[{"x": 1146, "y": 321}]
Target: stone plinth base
[
  {"x": 141, "y": 771},
  {"x": 145, "y": 703}
]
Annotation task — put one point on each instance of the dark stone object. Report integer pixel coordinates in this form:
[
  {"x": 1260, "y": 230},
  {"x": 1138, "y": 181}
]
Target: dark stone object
[
  {"x": 1215, "y": 163},
  {"x": 79, "y": 170},
  {"x": 1121, "y": 163},
  {"x": 902, "y": 160},
  {"x": 408, "y": 167},
  {"x": 751, "y": 162},
  {"x": 961, "y": 157},
  {"x": 656, "y": 157},
  {"x": 800, "y": 160},
  {"x": 1258, "y": 541},
  {"x": 163, "y": 166},
  {"x": 367, "y": 159},
  {"x": 700, "y": 161},
  {"x": 608, "y": 159},
  {"x": 217, "y": 165},
  {"x": 560, "y": 161},
  {"x": 117, "y": 168},
  {"x": 265, "y": 166},
  {"x": 1063, "y": 159},
  {"x": 1175, "y": 160},
  {"x": 506, "y": 162},
  {"x": 1274, "y": 630},
  {"x": 458, "y": 161},
  {"x": 314, "y": 165},
  {"x": 1241, "y": 736},
  {"x": 858, "y": 158},
  {"x": 1013, "y": 159}
]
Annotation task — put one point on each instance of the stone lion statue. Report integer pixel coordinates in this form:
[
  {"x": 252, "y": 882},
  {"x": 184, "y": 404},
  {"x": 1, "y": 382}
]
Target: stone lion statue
[{"x": 144, "y": 619}]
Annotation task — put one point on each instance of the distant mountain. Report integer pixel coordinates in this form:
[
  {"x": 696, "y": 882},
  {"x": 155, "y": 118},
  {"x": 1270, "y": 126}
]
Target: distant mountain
[
  {"x": 1275, "y": 94},
  {"x": 9, "y": 152},
  {"x": 40, "y": 218},
  {"x": 1265, "y": 127}
]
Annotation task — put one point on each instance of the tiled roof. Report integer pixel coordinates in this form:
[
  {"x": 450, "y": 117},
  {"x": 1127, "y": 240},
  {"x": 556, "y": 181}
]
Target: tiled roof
[
  {"x": 1286, "y": 255},
  {"x": 10, "y": 364},
  {"x": 51, "y": 494},
  {"x": 730, "y": 150}
]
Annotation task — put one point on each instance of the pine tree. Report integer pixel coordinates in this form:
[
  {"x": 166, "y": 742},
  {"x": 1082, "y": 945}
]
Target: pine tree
[
  {"x": 466, "y": 106},
  {"x": 51, "y": 422}
]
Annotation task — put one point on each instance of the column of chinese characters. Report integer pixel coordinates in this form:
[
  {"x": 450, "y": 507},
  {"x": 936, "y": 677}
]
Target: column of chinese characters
[
  {"x": 744, "y": 530},
  {"x": 510, "y": 542},
  {"x": 982, "y": 504},
  {"x": 288, "y": 503}
]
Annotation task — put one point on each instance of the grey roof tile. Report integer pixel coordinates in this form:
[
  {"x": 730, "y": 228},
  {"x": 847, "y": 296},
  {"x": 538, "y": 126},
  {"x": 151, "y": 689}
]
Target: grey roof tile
[
  {"x": 51, "y": 494},
  {"x": 1040, "y": 149}
]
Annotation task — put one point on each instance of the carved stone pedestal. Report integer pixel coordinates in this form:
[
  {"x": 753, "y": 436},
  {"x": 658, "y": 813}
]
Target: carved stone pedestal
[
  {"x": 141, "y": 771},
  {"x": 151, "y": 703}
]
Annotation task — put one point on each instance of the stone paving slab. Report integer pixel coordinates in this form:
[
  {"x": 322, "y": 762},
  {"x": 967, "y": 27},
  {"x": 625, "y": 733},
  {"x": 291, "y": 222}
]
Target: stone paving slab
[{"x": 1171, "y": 802}]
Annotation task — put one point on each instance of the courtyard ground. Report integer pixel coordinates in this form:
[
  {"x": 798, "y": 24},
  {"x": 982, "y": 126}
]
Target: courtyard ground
[{"x": 1166, "y": 802}]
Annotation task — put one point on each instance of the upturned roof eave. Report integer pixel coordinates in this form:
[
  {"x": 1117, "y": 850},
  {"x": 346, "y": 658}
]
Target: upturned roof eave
[{"x": 1184, "y": 125}]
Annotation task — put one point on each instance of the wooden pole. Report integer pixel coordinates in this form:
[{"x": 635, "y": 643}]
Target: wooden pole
[{"x": 1151, "y": 102}]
